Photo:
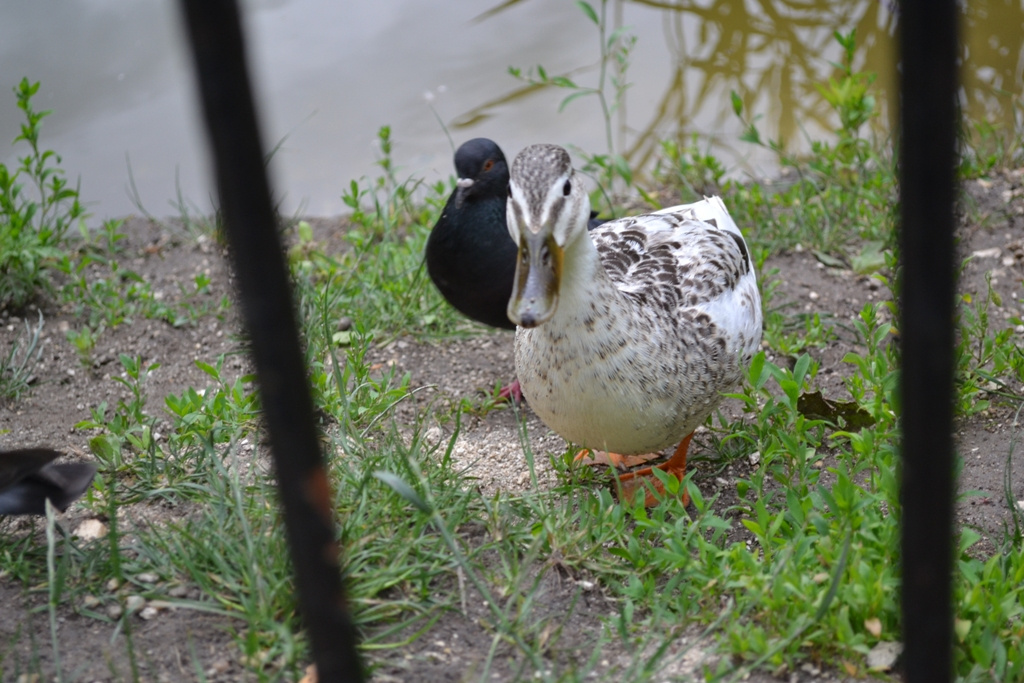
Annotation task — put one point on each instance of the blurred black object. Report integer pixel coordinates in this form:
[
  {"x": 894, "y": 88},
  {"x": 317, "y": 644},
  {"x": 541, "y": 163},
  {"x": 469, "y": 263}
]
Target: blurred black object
[
  {"x": 29, "y": 476},
  {"x": 928, "y": 115},
  {"x": 218, "y": 49}
]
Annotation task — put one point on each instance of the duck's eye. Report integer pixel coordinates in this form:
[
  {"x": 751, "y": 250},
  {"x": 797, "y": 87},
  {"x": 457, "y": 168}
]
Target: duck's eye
[
  {"x": 545, "y": 256},
  {"x": 488, "y": 165},
  {"x": 567, "y": 188}
]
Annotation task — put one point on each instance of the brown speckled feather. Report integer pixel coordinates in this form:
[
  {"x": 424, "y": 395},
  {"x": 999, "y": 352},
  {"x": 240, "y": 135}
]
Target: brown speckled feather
[{"x": 676, "y": 262}]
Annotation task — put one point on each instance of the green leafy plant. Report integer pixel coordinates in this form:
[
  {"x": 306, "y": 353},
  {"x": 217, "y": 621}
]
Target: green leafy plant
[
  {"x": 378, "y": 283},
  {"x": 843, "y": 190},
  {"x": 696, "y": 172},
  {"x": 990, "y": 365},
  {"x": 986, "y": 147},
  {"x": 615, "y": 50},
  {"x": 389, "y": 199},
  {"x": 37, "y": 207}
]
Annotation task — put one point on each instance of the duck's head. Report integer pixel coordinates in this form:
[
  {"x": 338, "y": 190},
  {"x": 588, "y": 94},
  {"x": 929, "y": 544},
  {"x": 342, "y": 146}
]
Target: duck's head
[
  {"x": 548, "y": 209},
  {"x": 482, "y": 170}
]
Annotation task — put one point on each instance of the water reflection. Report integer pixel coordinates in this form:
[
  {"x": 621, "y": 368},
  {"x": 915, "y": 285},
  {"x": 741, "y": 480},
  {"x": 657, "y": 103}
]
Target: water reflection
[
  {"x": 772, "y": 54},
  {"x": 993, "y": 58},
  {"x": 330, "y": 74}
]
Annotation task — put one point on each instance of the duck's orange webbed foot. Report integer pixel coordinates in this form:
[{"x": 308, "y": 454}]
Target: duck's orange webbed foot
[
  {"x": 619, "y": 462},
  {"x": 644, "y": 481}
]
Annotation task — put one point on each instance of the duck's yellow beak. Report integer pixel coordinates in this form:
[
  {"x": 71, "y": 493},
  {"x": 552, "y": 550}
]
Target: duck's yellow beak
[{"x": 538, "y": 275}]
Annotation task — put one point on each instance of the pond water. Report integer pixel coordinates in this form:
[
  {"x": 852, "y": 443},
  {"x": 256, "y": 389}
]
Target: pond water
[{"x": 329, "y": 74}]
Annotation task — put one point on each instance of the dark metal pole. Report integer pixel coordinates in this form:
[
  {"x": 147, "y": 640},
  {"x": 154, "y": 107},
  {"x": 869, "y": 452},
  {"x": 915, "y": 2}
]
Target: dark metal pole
[
  {"x": 928, "y": 37},
  {"x": 217, "y": 45}
]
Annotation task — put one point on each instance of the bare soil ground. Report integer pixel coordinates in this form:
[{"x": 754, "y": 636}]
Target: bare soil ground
[{"x": 176, "y": 642}]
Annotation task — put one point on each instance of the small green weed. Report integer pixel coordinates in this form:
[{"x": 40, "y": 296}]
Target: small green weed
[
  {"x": 189, "y": 218},
  {"x": 683, "y": 165},
  {"x": 842, "y": 191},
  {"x": 989, "y": 364},
  {"x": 100, "y": 289},
  {"x": 18, "y": 365},
  {"x": 615, "y": 50},
  {"x": 216, "y": 415},
  {"x": 989, "y": 595},
  {"x": 391, "y": 201},
  {"x": 986, "y": 148},
  {"x": 379, "y": 282},
  {"x": 34, "y": 220},
  {"x": 84, "y": 341}
]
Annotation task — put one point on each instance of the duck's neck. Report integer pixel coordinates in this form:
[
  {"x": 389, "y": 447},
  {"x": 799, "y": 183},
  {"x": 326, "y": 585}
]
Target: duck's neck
[{"x": 583, "y": 279}]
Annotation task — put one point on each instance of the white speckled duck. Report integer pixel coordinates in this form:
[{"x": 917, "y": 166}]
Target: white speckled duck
[{"x": 627, "y": 335}]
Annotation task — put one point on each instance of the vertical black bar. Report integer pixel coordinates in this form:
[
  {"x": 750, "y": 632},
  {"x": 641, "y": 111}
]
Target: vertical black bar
[
  {"x": 218, "y": 49},
  {"x": 928, "y": 36}
]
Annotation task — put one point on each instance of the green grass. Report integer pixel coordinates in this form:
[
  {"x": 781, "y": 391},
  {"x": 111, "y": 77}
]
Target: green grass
[
  {"x": 808, "y": 576},
  {"x": 17, "y": 365}
]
